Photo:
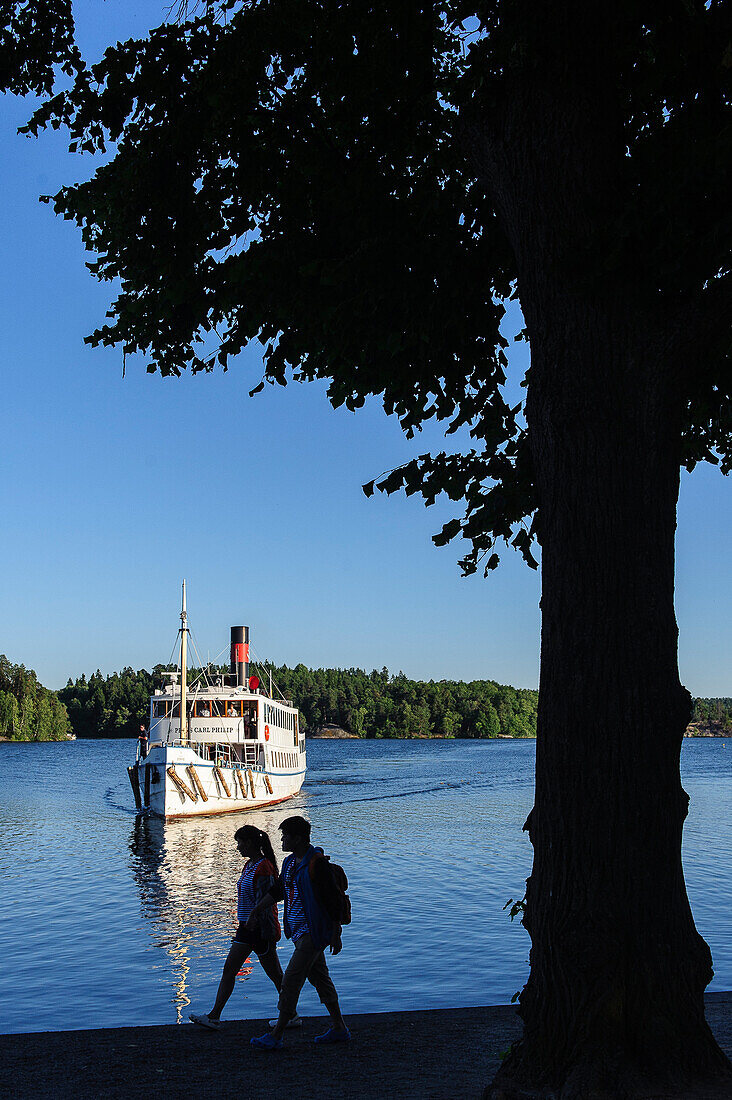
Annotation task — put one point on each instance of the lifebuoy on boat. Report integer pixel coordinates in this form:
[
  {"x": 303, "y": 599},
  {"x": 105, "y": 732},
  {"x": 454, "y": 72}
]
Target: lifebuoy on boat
[{"x": 266, "y": 733}]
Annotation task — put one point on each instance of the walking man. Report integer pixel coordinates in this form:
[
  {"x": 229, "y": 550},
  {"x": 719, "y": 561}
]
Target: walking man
[{"x": 311, "y": 920}]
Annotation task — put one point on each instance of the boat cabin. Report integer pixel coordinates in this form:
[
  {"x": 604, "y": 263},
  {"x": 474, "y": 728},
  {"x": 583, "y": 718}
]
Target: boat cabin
[{"x": 228, "y": 726}]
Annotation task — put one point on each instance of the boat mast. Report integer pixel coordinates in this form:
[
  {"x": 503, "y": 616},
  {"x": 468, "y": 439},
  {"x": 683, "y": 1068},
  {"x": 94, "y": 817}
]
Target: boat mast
[{"x": 183, "y": 669}]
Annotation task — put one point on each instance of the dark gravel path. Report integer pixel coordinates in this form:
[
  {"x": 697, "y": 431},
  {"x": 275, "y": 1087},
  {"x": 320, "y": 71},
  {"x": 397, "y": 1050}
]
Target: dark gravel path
[{"x": 394, "y": 1055}]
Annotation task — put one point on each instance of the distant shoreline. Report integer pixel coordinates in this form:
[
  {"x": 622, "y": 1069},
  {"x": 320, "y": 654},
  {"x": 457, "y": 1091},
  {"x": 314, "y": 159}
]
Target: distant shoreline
[
  {"x": 42, "y": 740},
  {"x": 335, "y": 733},
  {"x": 707, "y": 729}
]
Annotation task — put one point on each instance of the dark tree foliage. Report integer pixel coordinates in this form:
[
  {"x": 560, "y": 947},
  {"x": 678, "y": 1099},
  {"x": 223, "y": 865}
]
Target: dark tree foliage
[
  {"x": 36, "y": 39},
  {"x": 362, "y": 187},
  {"x": 110, "y": 706},
  {"x": 29, "y": 711},
  {"x": 368, "y": 704},
  {"x": 377, "y": 704}
]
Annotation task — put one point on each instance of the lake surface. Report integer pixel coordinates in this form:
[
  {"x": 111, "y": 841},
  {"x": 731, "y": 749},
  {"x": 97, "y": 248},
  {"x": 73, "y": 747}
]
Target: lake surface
[{"x": 109, "y": 918}]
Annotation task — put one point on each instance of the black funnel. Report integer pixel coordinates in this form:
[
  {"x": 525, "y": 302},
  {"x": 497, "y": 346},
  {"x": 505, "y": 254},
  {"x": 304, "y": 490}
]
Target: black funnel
[{"x": 240, "y": 655}]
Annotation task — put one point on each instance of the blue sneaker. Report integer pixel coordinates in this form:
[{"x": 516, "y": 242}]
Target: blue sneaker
[
  {"x": 266, "y": 1042},
  {"x": 333, "y": 1035}
]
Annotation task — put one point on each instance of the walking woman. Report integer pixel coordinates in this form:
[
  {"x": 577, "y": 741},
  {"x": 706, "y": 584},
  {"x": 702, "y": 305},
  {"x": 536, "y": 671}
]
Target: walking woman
[{"x": 256, "y": 880}]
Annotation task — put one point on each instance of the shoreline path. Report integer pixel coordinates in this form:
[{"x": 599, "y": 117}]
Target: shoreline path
[{"x": 437, "y": 1054}]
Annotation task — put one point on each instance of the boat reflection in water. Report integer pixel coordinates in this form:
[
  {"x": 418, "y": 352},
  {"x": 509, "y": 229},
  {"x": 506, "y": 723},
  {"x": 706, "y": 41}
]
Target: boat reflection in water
[{"x": 186, "y": 872}]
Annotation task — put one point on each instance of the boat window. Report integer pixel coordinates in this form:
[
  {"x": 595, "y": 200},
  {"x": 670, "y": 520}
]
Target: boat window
[
  {"x": 235, "y": 708},
  {"x": 202, "y": 708},
  {"x": 160, "y": 710},
  {"x": 176, "y": 710},
  {"x": 217, "y": 708}
]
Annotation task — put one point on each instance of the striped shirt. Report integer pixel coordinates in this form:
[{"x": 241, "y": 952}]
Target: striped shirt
[
  {"x": 296, "y": 917},
  {"x": 246, "y": 895}
]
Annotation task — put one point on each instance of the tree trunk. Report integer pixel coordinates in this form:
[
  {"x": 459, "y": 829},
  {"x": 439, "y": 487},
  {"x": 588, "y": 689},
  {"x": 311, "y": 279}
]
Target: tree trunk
[{"x": 614, "y": 1003}]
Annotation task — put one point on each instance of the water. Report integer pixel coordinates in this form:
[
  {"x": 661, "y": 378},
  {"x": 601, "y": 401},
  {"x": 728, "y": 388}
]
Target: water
[{"x": 108, "y": 918}]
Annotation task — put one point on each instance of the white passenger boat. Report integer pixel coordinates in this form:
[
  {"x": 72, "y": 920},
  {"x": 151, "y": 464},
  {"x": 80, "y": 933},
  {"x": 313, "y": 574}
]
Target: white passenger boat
[{"x": 222, "y": 745}]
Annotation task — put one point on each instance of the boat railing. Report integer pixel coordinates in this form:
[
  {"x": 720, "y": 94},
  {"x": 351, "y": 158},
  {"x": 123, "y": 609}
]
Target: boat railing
[{"x": 223, "y": 754}]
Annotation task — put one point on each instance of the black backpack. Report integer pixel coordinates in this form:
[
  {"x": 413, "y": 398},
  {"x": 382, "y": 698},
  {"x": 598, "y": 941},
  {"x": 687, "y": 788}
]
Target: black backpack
[
  {"x": 338, "y": 904},
  {"x": 341, "y": 884}
]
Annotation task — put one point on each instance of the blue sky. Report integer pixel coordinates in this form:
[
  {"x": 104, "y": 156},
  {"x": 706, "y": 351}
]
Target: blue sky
[{"x": 115, "y": 489}]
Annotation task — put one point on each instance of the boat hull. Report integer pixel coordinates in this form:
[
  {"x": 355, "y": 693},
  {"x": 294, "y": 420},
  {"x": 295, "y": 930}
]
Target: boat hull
[{"x": 174, "y": 782}]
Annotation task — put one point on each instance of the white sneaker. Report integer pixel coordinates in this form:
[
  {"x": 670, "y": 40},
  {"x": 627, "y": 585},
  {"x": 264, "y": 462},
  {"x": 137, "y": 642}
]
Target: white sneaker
[
  {"x": 296, "y": 1021},
  {"x": 205, "y": 1021}
]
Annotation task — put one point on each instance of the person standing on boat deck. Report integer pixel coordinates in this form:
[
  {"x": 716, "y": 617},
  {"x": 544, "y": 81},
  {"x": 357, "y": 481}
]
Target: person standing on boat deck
[
  {"x": 260, "y": 935},
  {"x": 143, "y": 741},
  {"x": 311, "y": 917}
]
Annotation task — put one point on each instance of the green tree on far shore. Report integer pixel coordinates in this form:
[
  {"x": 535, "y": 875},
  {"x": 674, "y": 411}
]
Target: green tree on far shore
[{"x": 29, "y": 711}]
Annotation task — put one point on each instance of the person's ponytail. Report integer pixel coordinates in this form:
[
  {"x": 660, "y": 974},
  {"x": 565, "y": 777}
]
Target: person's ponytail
[{"x": 267, "y": 849}]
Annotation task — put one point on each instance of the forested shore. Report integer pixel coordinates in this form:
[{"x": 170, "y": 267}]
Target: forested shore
[
  {"x": 29, "y": 711},
  {"x": 373, "y": 704},
  {"x": 364, "y": 704}
]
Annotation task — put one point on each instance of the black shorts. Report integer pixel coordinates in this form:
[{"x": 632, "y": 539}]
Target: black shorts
[{"x": 251, "y": 937}]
